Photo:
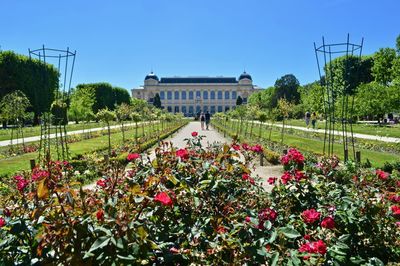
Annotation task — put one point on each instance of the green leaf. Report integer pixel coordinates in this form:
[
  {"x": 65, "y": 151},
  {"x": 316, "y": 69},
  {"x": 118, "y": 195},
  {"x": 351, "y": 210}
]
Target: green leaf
[
  {"x": 129, "y": 257},
  {"x": 273, "y": 236},
  {"x": 275, "y": 259},
  {"x": 99, "y": 243},
  {"x": 290, "y": 232}
]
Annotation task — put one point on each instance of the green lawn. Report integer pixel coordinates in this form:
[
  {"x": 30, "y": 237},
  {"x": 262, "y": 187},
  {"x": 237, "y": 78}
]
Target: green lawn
[
  {"x": 14, "y": 164},
  {"x": 5, "y": 134},
  {"x": 312, "y": 145},
  {"x": 384, "y": 130}
]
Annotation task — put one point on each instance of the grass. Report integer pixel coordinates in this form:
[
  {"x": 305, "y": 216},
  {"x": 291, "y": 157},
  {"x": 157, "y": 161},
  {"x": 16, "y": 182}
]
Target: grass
[
  {"x": 383, "y": 130},
  {"x": 12, "y": 165},
  {"x": 5, "y": 134},
  {"x": 376, "y": 158}
]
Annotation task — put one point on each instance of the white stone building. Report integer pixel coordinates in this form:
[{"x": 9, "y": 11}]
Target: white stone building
[{"x": 192, "y": 95}]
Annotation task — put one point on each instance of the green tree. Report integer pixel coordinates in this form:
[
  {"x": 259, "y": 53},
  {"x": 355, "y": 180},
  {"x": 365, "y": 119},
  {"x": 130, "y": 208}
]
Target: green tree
[
  {"x": 312, "y": 97},
  {"x": 38, "y": 81},
  {"x": 122, "y": 113},
  {"x": 82, "y": 100},
  {"x": 398, "y": 44},
  {"x": 239, "y": 100},
  {"x": 383, "y": 63},
  {"x": 13, "y": 108},
  {"x": 286, "y": 87},
  {"x": 157, "y": 101},
  {"x": 345, "y": 73},
  {"x": 374, "y": 99},
  {"x": 106, "y": 116},
  {"x": 285, "y": 108}
]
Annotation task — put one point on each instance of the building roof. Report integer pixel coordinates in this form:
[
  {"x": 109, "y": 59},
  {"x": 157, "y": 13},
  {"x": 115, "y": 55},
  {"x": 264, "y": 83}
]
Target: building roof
[
  {"x": 199, "y": 80},
  {"x": 245, "y": 75},
  {"x": 151, "y": 76}
]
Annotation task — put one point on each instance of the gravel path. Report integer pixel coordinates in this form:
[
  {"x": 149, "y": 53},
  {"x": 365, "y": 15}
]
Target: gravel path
[{"x": 211, "y": 136}]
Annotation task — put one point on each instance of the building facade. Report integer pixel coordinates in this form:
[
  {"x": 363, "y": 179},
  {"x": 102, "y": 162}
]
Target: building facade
[{"x": 192, "y": 95}]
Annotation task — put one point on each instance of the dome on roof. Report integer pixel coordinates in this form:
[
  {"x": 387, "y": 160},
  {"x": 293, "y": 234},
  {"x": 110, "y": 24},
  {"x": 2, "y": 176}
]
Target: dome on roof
[
  {"x": 245, "y": 75},
  {"x": 151, "y": 76}
]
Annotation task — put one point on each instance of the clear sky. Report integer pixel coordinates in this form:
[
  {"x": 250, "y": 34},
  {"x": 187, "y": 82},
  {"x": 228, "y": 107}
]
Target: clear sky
[{"x": 121, "y": 41}]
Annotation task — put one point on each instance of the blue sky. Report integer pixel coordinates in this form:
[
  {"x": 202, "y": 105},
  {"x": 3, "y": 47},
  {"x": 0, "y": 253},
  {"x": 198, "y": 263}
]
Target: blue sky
[{"x": 121, "y": 41}]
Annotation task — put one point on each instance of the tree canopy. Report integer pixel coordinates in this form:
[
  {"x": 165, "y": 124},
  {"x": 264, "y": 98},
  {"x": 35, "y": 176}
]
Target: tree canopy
[
  {"x": 382, "y": 70},
  {"x": 286, "y": 87},
  {"x": 38, "y": 81}
]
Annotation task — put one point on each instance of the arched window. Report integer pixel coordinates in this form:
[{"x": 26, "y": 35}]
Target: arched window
[{"x": 212, "y": 95}]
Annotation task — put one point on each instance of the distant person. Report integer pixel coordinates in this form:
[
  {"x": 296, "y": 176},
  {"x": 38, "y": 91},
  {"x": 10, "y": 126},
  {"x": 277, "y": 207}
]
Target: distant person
[
  {"x": 307, "y": 118},
  {"x": 202, "y": 120},
  {"x": 313, "y": 119},
  {"x": 208, "y": 118}
]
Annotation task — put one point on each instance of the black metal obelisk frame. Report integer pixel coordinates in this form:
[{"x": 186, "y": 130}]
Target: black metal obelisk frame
[
  {"x": 53, "y": 123},
  {"x": 324, "y": 55}
]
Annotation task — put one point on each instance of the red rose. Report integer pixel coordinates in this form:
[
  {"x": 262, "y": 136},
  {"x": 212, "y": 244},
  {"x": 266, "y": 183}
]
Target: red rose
[
  {"x": 257, "y": 148},
  {"x": 382, "y": 174},
  {"x": 100, "y": 215},
  {"x": 194, "y": 134},
  {"x": 133, "y": 156},
  {"x": 245, "y": 146},
  {"x": 182, "y": 153},
  {"x": 221, "y": 229},
  {"x": 7, "y": 212},
  {"x": 21, "y": 183},
  {"x": 235, "y": 147},
  {"x": 2, "y": 222},
  {"x": 299, "y": 175},
  {"x": 328, "y": 223},
  {"x": 101, "y": 183},
  {"x": 245, "y": 176},
  {"x": 319, "y": 247},
  {"x": 252, "y": 181},
  {"x": 314, "y": 247},
  {"x": 310, "y": 216},
  {"x": 163, "y": 198},
  {"x": 394, "y": 198},
  {"x": 395, "y": 209},
  {"x": 286, "y": 177},
  {"x": 307, "y": 237},
  {"x": 247, "y": 219},
  {"x": 267, "y": 214},
  {"x": 294, "y": 156},
  {"x": 272, "y": 180}
]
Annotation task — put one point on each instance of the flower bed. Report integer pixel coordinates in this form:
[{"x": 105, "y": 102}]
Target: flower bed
[{"x": 203, "y": 206}]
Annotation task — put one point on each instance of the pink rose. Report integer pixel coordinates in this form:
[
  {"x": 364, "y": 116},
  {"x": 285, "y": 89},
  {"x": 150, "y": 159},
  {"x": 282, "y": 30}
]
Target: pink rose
[
  {"x": 164, "y": 199},
  {"x": 133, "y": 156},
  {"x": 310, "y": 216}
]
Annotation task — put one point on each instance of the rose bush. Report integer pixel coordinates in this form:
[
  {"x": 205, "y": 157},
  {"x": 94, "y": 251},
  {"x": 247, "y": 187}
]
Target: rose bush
[{"x": 203, "y": 206}]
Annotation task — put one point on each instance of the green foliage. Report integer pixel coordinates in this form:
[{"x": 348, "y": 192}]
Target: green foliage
[
  {"x": 81, "y": 107},
  {"x": 59, "y": 111},
  {"x": 345, "y": 73},
  {"x": 382, "y": 69},
  {"x": 376, "y": 99},
  {"x": 157, "y": 101},
  {"x": 38, "y": 81},
  {"x": 312, "y": 97},
  {"x": 106, "y": 96},
  {"x": 13, "y": 106},
  {"x": 262, "y": 99},
  {"x": 286, "y": 87}
]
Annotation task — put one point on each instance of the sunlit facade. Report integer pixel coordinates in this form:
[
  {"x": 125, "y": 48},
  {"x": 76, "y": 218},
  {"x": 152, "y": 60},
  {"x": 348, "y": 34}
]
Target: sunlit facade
[{"x": 192, "y": 95}]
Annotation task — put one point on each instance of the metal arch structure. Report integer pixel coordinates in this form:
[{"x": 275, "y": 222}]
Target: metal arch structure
[
  {"x": 53, "y": 130},
  {"x": 325, "y": 54}
]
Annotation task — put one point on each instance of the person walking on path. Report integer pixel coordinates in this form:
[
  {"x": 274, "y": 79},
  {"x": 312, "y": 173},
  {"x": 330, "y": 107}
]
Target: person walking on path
[
  {"x": 307, "y": 118},
  {"x": 202, "y": 120},
  {"x": 313, "y": 119},
  {"x": 208, "y": 118}
]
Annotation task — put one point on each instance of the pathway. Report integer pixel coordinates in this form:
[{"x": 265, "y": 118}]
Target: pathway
[
  {"x": 52, "y": 136},
  {"x": 339, "y": 133},
  {"x": 211, "y": 136}
]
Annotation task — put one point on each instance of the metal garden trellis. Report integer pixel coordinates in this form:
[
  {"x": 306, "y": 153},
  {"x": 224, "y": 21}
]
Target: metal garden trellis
[
  {"x": 53, "y": 125},
  {"x": 332, "y": 90}
]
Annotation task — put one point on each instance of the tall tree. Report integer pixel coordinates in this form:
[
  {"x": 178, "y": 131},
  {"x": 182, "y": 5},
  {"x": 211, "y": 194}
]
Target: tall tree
[
  {"x": 383, "y": 63},
  {"x": 38, "y": 81},
  {"x": 286, "y": 87},
  {"x": 312, "y": 97},
  {"x": 157, "y": 101},
  {"x": 82, "y": 100},
  {"x": 398, "y": 44}
]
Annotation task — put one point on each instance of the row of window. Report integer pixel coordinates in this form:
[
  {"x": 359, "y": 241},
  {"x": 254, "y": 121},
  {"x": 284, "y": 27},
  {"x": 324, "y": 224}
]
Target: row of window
[
  {"x": 197, "y": 109},
  {"x": 191, "y": 94}
]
